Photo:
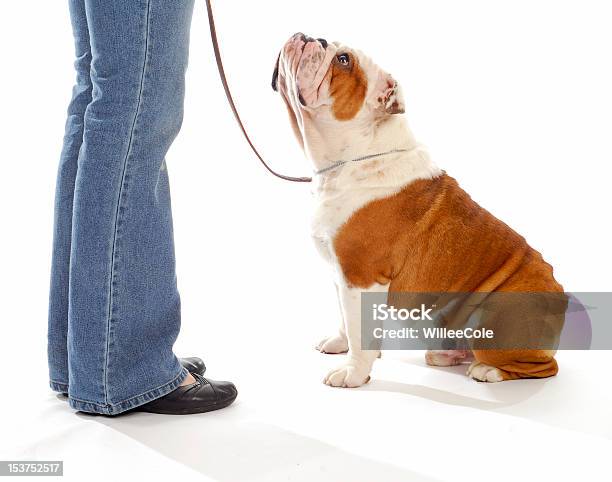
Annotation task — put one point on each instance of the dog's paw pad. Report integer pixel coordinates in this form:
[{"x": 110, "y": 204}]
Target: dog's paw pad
[
  {"x": 484, "y": 373},
  {"x": 347, "y": 376},
  {"x": 333, "y": 345}
]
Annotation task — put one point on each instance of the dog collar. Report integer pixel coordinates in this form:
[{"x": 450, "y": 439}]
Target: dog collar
[{"x": 338, "y": 164}]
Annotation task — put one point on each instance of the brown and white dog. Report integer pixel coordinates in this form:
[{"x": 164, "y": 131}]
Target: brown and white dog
[{"x": 395, "y": 222}]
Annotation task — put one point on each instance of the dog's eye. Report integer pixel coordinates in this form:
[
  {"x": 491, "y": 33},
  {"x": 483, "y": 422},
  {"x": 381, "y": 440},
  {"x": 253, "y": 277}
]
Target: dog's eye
[{"x": 343, "y": 59}]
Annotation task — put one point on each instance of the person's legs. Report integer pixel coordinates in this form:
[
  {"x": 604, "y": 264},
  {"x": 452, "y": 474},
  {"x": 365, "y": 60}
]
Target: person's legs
[
  {"x": 64, "y": 193},
  {"x": 124, "y": 307}
]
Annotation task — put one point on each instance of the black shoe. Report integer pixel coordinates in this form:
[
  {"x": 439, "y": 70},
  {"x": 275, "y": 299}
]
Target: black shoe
[
  {"x": 193, "y": 365},
  {"x": 199, "y": 397}
]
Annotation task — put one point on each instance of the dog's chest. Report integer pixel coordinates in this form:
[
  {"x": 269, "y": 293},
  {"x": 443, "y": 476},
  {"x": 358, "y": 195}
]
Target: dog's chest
[{"x": 331, "y": 211}]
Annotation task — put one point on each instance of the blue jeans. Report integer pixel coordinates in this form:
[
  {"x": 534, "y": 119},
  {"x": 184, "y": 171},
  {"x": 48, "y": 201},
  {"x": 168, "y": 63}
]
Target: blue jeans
[{"x": 114, "y": 311}]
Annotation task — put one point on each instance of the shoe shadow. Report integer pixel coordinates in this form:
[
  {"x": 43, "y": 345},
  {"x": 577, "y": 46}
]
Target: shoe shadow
[{"x": 226, "y": 446}]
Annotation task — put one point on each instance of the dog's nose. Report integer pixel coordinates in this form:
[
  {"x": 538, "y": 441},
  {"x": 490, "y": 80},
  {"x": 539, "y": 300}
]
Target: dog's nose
[{"x": 323, "y": 42}]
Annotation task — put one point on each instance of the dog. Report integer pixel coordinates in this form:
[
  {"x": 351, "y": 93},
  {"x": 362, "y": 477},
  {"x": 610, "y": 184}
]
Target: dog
[{"x": 387, "y": 219}]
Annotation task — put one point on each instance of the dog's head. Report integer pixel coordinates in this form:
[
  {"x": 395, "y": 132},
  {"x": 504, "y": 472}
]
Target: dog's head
[{"x": 325, "y": 83}]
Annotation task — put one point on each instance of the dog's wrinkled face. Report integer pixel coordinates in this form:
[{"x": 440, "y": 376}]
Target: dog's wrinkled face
[{"x": 326, "y": 82}]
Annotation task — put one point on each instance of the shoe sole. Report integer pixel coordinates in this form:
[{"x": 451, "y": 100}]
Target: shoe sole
[{"x": 190, "y": 411}]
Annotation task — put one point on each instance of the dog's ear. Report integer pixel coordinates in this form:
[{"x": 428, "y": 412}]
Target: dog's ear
[{"x": 392, "y": 99}]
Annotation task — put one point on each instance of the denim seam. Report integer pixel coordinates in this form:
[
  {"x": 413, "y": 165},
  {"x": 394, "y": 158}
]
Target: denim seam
[
  {"x": 119, "y": 198},
  {"x": 61, "y": 386},
  {"x": 57, "y": 381}
]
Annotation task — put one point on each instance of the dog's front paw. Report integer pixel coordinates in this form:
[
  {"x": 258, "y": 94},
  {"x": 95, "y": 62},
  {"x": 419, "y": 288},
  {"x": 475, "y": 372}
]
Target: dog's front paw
[
  {"x": 349, "y": 375},
  {"x": 334, "y": 344}
]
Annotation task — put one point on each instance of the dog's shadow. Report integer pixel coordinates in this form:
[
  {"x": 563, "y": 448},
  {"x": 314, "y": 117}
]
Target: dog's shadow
[
  {"x": 499, "y": 395},
  {"x": 441, "y": 396}
]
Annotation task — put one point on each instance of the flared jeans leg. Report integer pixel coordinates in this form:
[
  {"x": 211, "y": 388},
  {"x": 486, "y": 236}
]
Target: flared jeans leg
[{"x": 115, "y": 309}]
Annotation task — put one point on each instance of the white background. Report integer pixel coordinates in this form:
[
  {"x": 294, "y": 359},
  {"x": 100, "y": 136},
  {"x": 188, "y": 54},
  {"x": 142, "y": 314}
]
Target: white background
[{"x": 512, "y": 98}]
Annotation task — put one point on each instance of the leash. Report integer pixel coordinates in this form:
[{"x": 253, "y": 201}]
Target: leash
[{"x": 228, "y": 94}]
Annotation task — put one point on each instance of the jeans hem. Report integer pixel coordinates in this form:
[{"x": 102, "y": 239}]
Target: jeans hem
[
  {"x": 130, "y": 403},
  {"x": 58, "y": 386}
]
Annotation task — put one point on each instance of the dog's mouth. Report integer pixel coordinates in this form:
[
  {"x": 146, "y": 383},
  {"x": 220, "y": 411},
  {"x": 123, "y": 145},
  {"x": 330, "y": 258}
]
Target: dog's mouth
[{"x": 300, "y": 59}]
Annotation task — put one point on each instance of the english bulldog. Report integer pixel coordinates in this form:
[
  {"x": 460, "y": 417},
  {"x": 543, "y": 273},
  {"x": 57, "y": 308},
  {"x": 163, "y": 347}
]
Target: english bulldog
[{"x": 387, "y": 219}]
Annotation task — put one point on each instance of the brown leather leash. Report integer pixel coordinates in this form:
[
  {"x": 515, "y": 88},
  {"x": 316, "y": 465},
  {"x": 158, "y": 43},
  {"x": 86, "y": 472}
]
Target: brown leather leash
[{"x": 215, "y": 43}]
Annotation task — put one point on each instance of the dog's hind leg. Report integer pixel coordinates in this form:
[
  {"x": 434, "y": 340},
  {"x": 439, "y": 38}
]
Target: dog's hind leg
[
  {"x": 500, "y": 365},
  {"x": 448, "y": 358}
]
